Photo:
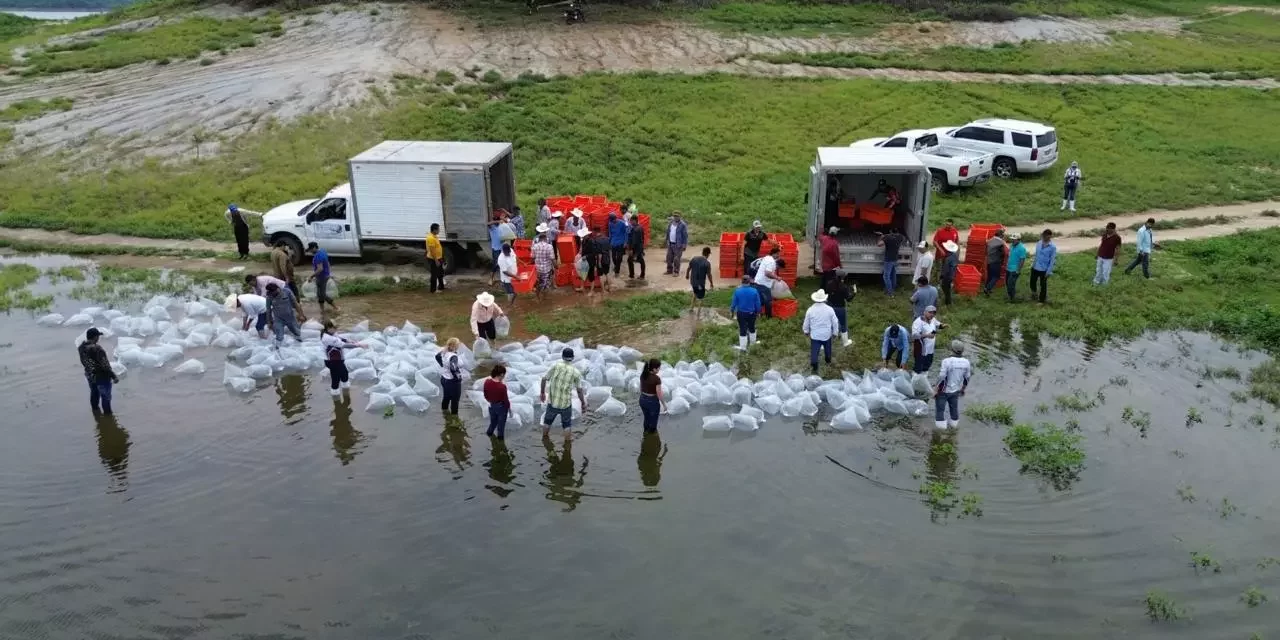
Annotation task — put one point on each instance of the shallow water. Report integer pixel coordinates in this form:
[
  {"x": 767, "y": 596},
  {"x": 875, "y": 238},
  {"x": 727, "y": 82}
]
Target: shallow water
[{"x": 202, "y": 514}]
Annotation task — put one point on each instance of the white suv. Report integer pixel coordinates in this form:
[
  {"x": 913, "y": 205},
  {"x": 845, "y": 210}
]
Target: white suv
[{"x": 1019, "y": 146}]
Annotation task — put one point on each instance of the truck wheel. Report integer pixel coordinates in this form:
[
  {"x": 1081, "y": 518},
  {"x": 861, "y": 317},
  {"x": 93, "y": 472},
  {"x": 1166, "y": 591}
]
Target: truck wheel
[
  {"x": 450, "y": 259},
  {"x": 294, "y": 244},
  {"x": 1004, "y": 168},
  {"x": 939, "y": 181}
]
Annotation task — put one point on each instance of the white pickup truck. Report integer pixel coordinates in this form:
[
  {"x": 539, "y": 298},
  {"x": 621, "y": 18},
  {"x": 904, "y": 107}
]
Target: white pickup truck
[{"x": 951, "y": 166}]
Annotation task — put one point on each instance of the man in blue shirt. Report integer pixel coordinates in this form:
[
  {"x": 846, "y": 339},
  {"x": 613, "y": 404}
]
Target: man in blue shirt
[
  {"x": 1146, "y": 242},
  {"x": 320, "y": 273},
  {"x": 1042, "y": 265},
  {"x": 617, "y": 242},
  {"x": 677, "y": 240},
  {"x": 893, "y": 346},
  {"x": 745, "y": 306},
  {"x": 495, "y": 245},
  {"x": 1017, "y": 256}
]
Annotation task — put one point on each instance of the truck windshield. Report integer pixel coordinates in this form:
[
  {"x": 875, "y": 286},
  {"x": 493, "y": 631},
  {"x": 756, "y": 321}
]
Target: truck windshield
[
  {"x": 307, "y": 209},
  {"x": 1046, "y": 139}
]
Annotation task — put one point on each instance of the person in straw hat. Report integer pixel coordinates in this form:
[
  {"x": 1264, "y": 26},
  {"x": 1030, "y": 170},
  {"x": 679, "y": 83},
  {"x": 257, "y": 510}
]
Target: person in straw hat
[
  {"x": 544, "y": 262},
  {"x": 952, "y": 383},
  {"x": 553, "y": 232},
  {"x": 820, "y": 325},
  {"x": 947, "y": 274},
  {"x": 573, "y": 224},
  {"x": 483, "y": 313}
]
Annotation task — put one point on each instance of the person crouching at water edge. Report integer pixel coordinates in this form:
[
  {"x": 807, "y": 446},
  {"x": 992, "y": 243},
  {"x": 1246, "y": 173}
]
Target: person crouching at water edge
[
  {"x": 483, "y": 313},
  {"x": 284, "y": 309},
  {"x": 924, "y": 338},
  {"x": 952, "y": 383},
  {"x": 745, "y": 306},
  {"x": 334, "y": 359},
  {"x": 253, "y": 307},
  {"x": 821, "y": 325},
  {"x": 97, "y": 370}
]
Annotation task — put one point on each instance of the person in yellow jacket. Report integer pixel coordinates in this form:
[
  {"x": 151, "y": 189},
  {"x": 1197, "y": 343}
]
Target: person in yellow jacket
[
  {"x": 282, "y": 267},
  {"x": 435, "y": 258}
]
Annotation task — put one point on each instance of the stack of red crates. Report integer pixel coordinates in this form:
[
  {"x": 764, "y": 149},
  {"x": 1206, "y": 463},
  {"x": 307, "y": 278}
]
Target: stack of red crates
[
  {"x": 595, "y": 210},
  {"x": 731, "y": 255},
  {"x": 975, "y": 251},
  {"x": 567, "y": 249},
  {"x": 968, "y": 280},
  {"x": 790, "y": 255},
  {"x": 523, "y": 250}
]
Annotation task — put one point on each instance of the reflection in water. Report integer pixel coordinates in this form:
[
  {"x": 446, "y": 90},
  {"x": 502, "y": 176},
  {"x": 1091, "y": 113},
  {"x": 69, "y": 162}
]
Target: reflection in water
[
  {"x": 560, "y": 481},
  {"x": 1030, "y": 356},
  {"x": 943, "y": 455},
  {"x": 113, "y": 449},
  {"x": 652, "y": 451},
  {"x": 501, "y": 467},
  {"x": 291, "y": 394},
  {"x": 347, "y": 441},
  {"x": 453, "y": 442}
]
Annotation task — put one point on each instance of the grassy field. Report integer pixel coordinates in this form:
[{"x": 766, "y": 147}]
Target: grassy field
[
  {"x": 1244, "y": 45},
  {"x": 24, "y": 109},
  {"x": 668, "y": 142}
]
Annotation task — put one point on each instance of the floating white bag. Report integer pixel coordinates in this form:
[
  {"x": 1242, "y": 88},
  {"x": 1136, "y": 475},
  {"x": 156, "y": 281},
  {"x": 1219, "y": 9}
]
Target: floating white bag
[
  {"x": 716, "y": 423},
  {"x": 598, "y": 394},
  {"x": 79, "y": 320},
  {"x": 363, "y": 374},
  {"x": 228, "y": 341},
  {"x": 807, "y": 406},
  {"x": 402, "y": 390},
  {"x": 791, "y": 408},
  {"x": 744, "y": 422},
  {"x": 414, "y": 403},
  {"x": 771, "y": 405},
  {"x": 612, "y": 408},
  {"x": 742, "y": 395},
  {"x": 753, "y": 412},
  {"x": 242, "y": 385},
  {"x": 192, "y": 367},
  {"x": 837, "y": 399},
  {"x": 678, "y": 406},
  {"x": 379, "y": 402},
  {"x": 157, "y": 313},
  {"x": 846, "y": 420},
  {"x": 259, "y": 371},
  {"x": 424, "y": 387},
  {"x": 51, "y": 320}
]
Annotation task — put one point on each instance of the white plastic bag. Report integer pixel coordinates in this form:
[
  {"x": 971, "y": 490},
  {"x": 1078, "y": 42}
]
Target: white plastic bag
[
  {"x": 192, "y": 367},
  {"x": 753, "y": 412},
  {"x": 920, "y": 384},
  {"x": 598, "y": 394},
  {"x": 364, "y": 374},
  {"x": 917, "y": 408},
  {"x": 612, "y": 408},
  {"x": 807, "y": 406},
  {"x": 415, "y": 403},
  {"x": 424, "y": 387},
  {"x": 79, "y": 320},
  {"x": 481, "y": 348},
  {"x": 507, "y": 232},
  {"x": 716, "y": 423},
  {"x": 502, "y": 326},
  {"x": 51, "y": 320},
  {"x": 744, "y": 422},
  {"x": 781, "y": 291},
  {"x": 791, "y": 408},
  {"x": 903, "y": 386},
  {"x": 401, "y": 391},
  {"x": 379, "y": 401},
  {"x": 846, "y": 420},
  {"x": 678, "y": 406},
  {"x": 771, "y": 405},
  {"x": 896, "y": 407}
]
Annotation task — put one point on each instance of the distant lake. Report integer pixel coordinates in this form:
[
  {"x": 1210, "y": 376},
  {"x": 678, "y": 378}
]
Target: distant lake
[{"x": 52, "y": 14}]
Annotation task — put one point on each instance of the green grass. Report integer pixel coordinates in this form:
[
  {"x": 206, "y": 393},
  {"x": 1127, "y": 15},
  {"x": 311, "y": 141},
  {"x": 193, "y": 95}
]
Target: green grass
[
  {"x": 1048, "y": 451},
  {"x": 14, "y": 279},
  {"x": 991, "y": 412},
  {"x": 1264, "y": 382},
  {"x": 1253, "y": 597},
  {"x": 1162, "y": 606},
  {"x": 1165, "y": 225},
  {"x": 1202, "y": 560},
  {"x": 664, "y": 140},
  {"x": 1246, "y": 44},
  {"x": 33, "y": 108}
]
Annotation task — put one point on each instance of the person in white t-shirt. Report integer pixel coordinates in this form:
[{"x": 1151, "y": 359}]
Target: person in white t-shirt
[
  {"x": 253, "y": 306},
  {"x": 924, "y": 337},
  {"x": 507, "y": 271},
  {"x": 924, "y": 262},
  {"x": 766, "y": 274},
  {"x": 952, "y": 383}
]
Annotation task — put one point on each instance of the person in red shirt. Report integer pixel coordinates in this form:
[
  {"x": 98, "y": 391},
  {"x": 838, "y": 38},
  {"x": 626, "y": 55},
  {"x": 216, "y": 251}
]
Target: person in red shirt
[
  {"x": 495, "y": 393},
  {"x": 830, "y": 250},
  {"x": 1106, "y": 254},
  {"x": 948, "y": 232}
]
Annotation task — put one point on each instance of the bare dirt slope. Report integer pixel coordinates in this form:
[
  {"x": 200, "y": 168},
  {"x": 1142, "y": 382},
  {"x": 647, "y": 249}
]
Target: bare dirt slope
[{"x": 330, "y": 59}]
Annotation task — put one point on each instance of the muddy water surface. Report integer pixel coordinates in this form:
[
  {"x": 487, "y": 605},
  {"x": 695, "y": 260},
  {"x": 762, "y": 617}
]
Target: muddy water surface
[{"x": 196, "y": 513}]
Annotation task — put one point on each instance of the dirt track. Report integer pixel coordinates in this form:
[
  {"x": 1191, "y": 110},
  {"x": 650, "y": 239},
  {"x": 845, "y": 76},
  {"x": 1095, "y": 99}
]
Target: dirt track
[{"x": 333, "y": 60}]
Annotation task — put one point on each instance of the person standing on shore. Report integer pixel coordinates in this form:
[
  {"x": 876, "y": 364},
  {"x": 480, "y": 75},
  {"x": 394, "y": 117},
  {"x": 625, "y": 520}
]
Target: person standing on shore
[
  {"x": 924, "y": 262},
  {"x": 97, "y": 371},
  {"x": 820, "y": 326},
  {"x": 699, "y": 276},
  {"x": 1070, "y": 183},
  {"x": 651, "y": 402},
  {"x": 435, "y": 258},
  {"x": 1146, "y": 242},
  {"x": 953, "y": 381},
  {"x": 1017, "y": 256},
  {"x": 766, "y": 274},
  {"x": 617, "y": 242},
  {"x": 893, "y": 346},
  {"x": 450, "y": 376},
  {"x": 947, "y": 273},
  {"x": 839, "y": 292},
  {"x": 995, "y": 260},
  {"x": 240, "y": 227},
  {"x": 924, "y": 337},
  {"x": 508, "y": 271},
  {"x": 830, "y": 253},
  {"x": 948, "y": 233},
  {"x": 495, "y": 393},
  {"x": 1106, "y": 254},
  {"x": 925, "y": 295},
  {"x": 635, "y": 248},
  {"x": 677, "y": 240},
  {"x": 573, "y": 225},
  {"x": 282, "y": 266},
  {"x": 321, "y": 274},
  {"x": 1042, "y": 264},
  {"x": 558, "y": 387},
  {"x": 553, "y": 233},
  {"x": 751, "y": 245},
  {"x": 544, "y": 212},
  {"x": 544, "y": 262},
  {"x": 745, "y": 306}
]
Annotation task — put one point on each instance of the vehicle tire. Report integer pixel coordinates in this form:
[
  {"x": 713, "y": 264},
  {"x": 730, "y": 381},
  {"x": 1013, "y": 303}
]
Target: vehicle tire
[
  {"x": 1004, "y": 167},
  {"x": 939, "y": 181},
  {"x": 450, "y": 259},
  {"x": 294, "y": 244}
]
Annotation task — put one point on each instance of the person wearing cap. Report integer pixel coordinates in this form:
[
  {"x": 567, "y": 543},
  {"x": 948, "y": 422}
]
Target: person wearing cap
[
  {"x": 553, "y": 232},
  {"x": 751, "y": 245},
  {"x": 995, "y": 260},
  {"x": 254, "y": 307},
  {"x": 829, "y": 253},
  {"x": 1017, "y": 256},
  {"x": 1070, "y": 183},
  {"x": 745, "y": 306},
  {"x": 766, "y": 274},
  {"x": 820, "y": 325},
  {"x": 435, "y": 258},
  {"x": 508, "y": 271},
  {"x": 839, "y": 292},
  {"x": 1106, "y": 256},
  {"x": 925, "y": 295},
  {"x": 677, "y": 240},
  {"x": 947, "y": 273},
  {"x": 947, "y": 232},
  {"x": 495, "y": 243},
  {"x": 924, "y": 338},
  {"x": 1146, "y": 242},
  {"x": 573, "y": 225},
  {"x": 699, "y": 276},
  {"x": 635, "y": 247},
  {"x": 240, "y": 227},
  {"x": 893, "y": 346},
  {"x": 320, "y": 272},
  {"x": 924, "y": 262},
  {"x": 1042, "y": 264},
  {"x": 282, "y": 267},
  {"x": 557, "y": 389},
  {"x": 97, "y": 371},
  {"x": 617, "y": 241},
  {"x": 284, "y": 310},
  {"x": 953, "y": 381},
  {"x": 450, "y": 375},
  {"x": 892, "y": 243},
  {"x": 483, "y": 313},
  {"x": 544, "y": 262}
]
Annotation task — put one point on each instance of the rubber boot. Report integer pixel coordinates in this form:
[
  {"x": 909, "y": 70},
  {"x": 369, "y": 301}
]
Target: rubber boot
[
  {"x": 334, "y": 392},
  {"x": 844, "y": 338},
  {"x": 1064, "y": 206},
  {"x": 345, "y": 385},
  {"x": 953, "y": 423},
  {"x": 742, "y": 343},
  {"x": 1071, "y": 204},
  {"x": 752, "y": 339},
  {"x": 941, "y": 424}
]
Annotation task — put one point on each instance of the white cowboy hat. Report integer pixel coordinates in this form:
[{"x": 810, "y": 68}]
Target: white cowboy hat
[
  {"x": 230, "y": 303},
  {"x": 577, "y": 213},
  {"x": 924, "y": 244},
  {"x": 542, "y": 228},
  {"x": 818, "y": 296},
  {"x": 584, "y": 232},
  {"x": 484, "y": 298},
  {"x": 557, "y": 214},
  {"x": 950, "y": 246},
  {"x": 833, "y": 231}
]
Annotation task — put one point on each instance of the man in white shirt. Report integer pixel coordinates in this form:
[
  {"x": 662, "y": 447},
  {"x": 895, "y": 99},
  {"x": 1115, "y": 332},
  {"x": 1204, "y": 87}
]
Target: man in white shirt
[
  {"x": 507, "y": 271},
  {"x": 764, "y": 277},
  {"x": 952, "y": 383},
  {"x": 253, "y": 306},
  {"x": 924, "y": 262},
  {"x": 820, "y": 324},
  {"x": 924, "y": 337}
]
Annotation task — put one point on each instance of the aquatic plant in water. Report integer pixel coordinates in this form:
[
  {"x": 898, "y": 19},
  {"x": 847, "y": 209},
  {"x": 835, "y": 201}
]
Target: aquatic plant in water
[
  {"x": 1202, "y": 560},
  {"x": 1186, "y": 493},
  {"x": 939, "y": 495},
  {"x": 1227, "y": 508},
  {"x": 991, "y": 412},
  {"x": 1161, "y": 606},
  {"x": 1193, "y": 416},
  {"x": 1253, "y": 597},
  {"x": 1048, "y": 451},
  {"x": 971, "y": 505}
]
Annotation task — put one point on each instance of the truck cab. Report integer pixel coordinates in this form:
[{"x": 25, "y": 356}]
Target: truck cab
[{"x": 328, "y": 221}]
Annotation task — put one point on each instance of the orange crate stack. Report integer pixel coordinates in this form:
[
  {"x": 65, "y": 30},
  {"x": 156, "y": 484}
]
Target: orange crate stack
[
  {"x": 565, "y": 275},
  {"x": 777, "y": 237},
  {"x": 731, "y": 255},
  {"x": 791, "y": 256},
  {"x": 975, "y": 252},
  {"x": 567, "y": 249},
  {"x": 525, "y": 279},
  {"x": 786, "y": 308},
  {"x": 968, "y": 280},
  {"x": 523, "y": 249}
]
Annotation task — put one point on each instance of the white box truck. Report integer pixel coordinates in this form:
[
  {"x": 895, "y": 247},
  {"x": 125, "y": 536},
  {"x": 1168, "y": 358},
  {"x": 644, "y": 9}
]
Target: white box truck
[
  {"x": 397, "y": 190},
  {"x": 856, "y": 172}
]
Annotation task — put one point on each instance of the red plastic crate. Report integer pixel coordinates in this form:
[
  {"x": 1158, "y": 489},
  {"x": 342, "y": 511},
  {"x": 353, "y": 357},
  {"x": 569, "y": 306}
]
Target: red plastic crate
[
  {"x": 525, "y": 280},
  {"x": 565, "y": 275},
  {"x": 786, "y": 308},
  {"x": 567, "y": 249}
]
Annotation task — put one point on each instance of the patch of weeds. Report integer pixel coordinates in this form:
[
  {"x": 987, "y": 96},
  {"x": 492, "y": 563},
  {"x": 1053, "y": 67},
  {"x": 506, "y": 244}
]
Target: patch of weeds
[
  {"x": 1187, "y": 493},
  {"x": 1201, "y": 560},
  {"x": 1268, "y": 562},
  {"x": 939, "y": 495},
  {"x": 491, "y": 77},
  {"x": 971, "y": 505},
  {"x": 1270, "y": 213},
  {"x": 1239, "y": 396},
  {"x": 1179, "y": 454},
  {"x": 893, "y": 461},
  {"x": 33, "y": 108},
  {"x": 388, "y": 412},
  {"x": 1264, "y": 382},
  {"x": 942, "y": 450},
  {"x": 1048, "y": 451},
  {"x": 1193, "y": 416},
  {"x": 445, "y": 78},
  {"x": 915, "y": 475},
  {"x": 1120, "y": 381},
  {"x": 1275, "y": 443},
  {"x": 969, "y": 471},
  {"x": 1042, "y": 409},
  {"x": 1072, "y": 424},
  {"x": 68, "y": 272},
  {"x": 1162, "y": 606},
  {"x": 1214, "y": 373},
  {"x": 1100, "y": 397},
  {"x": 1141, "y": 420},
  {"x": 991, "y": 412},
  {"x": 1226, "y": 508},
  {"x": 1253, "y": 597},
  {"x": 1257, "y": 419},
  {"x": 14, "y": 279}
]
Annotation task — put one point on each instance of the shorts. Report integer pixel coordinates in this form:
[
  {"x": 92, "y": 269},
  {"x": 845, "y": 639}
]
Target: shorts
[
  {"x": 699, "y": 292},
  {"x": 566, "y": 416},
  {"x": 509, "y": 288},
  {"x": 545, "y": 280}
]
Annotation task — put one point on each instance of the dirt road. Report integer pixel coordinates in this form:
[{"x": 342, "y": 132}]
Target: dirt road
[{"x": 328, "y": 60}]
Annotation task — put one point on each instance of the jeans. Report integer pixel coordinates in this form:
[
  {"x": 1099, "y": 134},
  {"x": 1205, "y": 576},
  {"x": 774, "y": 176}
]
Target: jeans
[
  {"x": 437, "y": 275},
  {"x": 289, "y": 323},
  {"x": 1102, "y": 274},
  {"x": 452, "y": 388},
  {"x": 1043, "y": 278},
  {"x": 293, "y": 286},
  {"x": 497, "y": 419},
  {"x": 945, "y": 285},
  {"x": 262, "y": 322},
  {"x": 566, "y": 416},
  {"x": 746, "y": 323},
  {"x": 814, "y": 347},
  {"x": 616, "y": 253},
  {"x": 923, "y": 363},
  {"x": 1069, "y": 191},
  {"x": 637, "y": 256},
  {"x": 993, "y": 276},
  {"x": 673, "y": 258},
  {"x": 496, "y": 253},
  {"x": 766, "y": 298},
  {"x": 650, "y": 407},
  {"x": 337, "y": 373},
  {"x": 322, "y": 293},
  {"x": 487, "y": 330},
  {"x": 100, "y": 393},
  {"x": 949, "y": 402},
  {"x": 1143, "y": 259},
  {"x": 842, "y": 315},
  {"x": 747, "y": 259},
  {"x": 1011, "y": 283},
  {"x": 890, "y": 274}
]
